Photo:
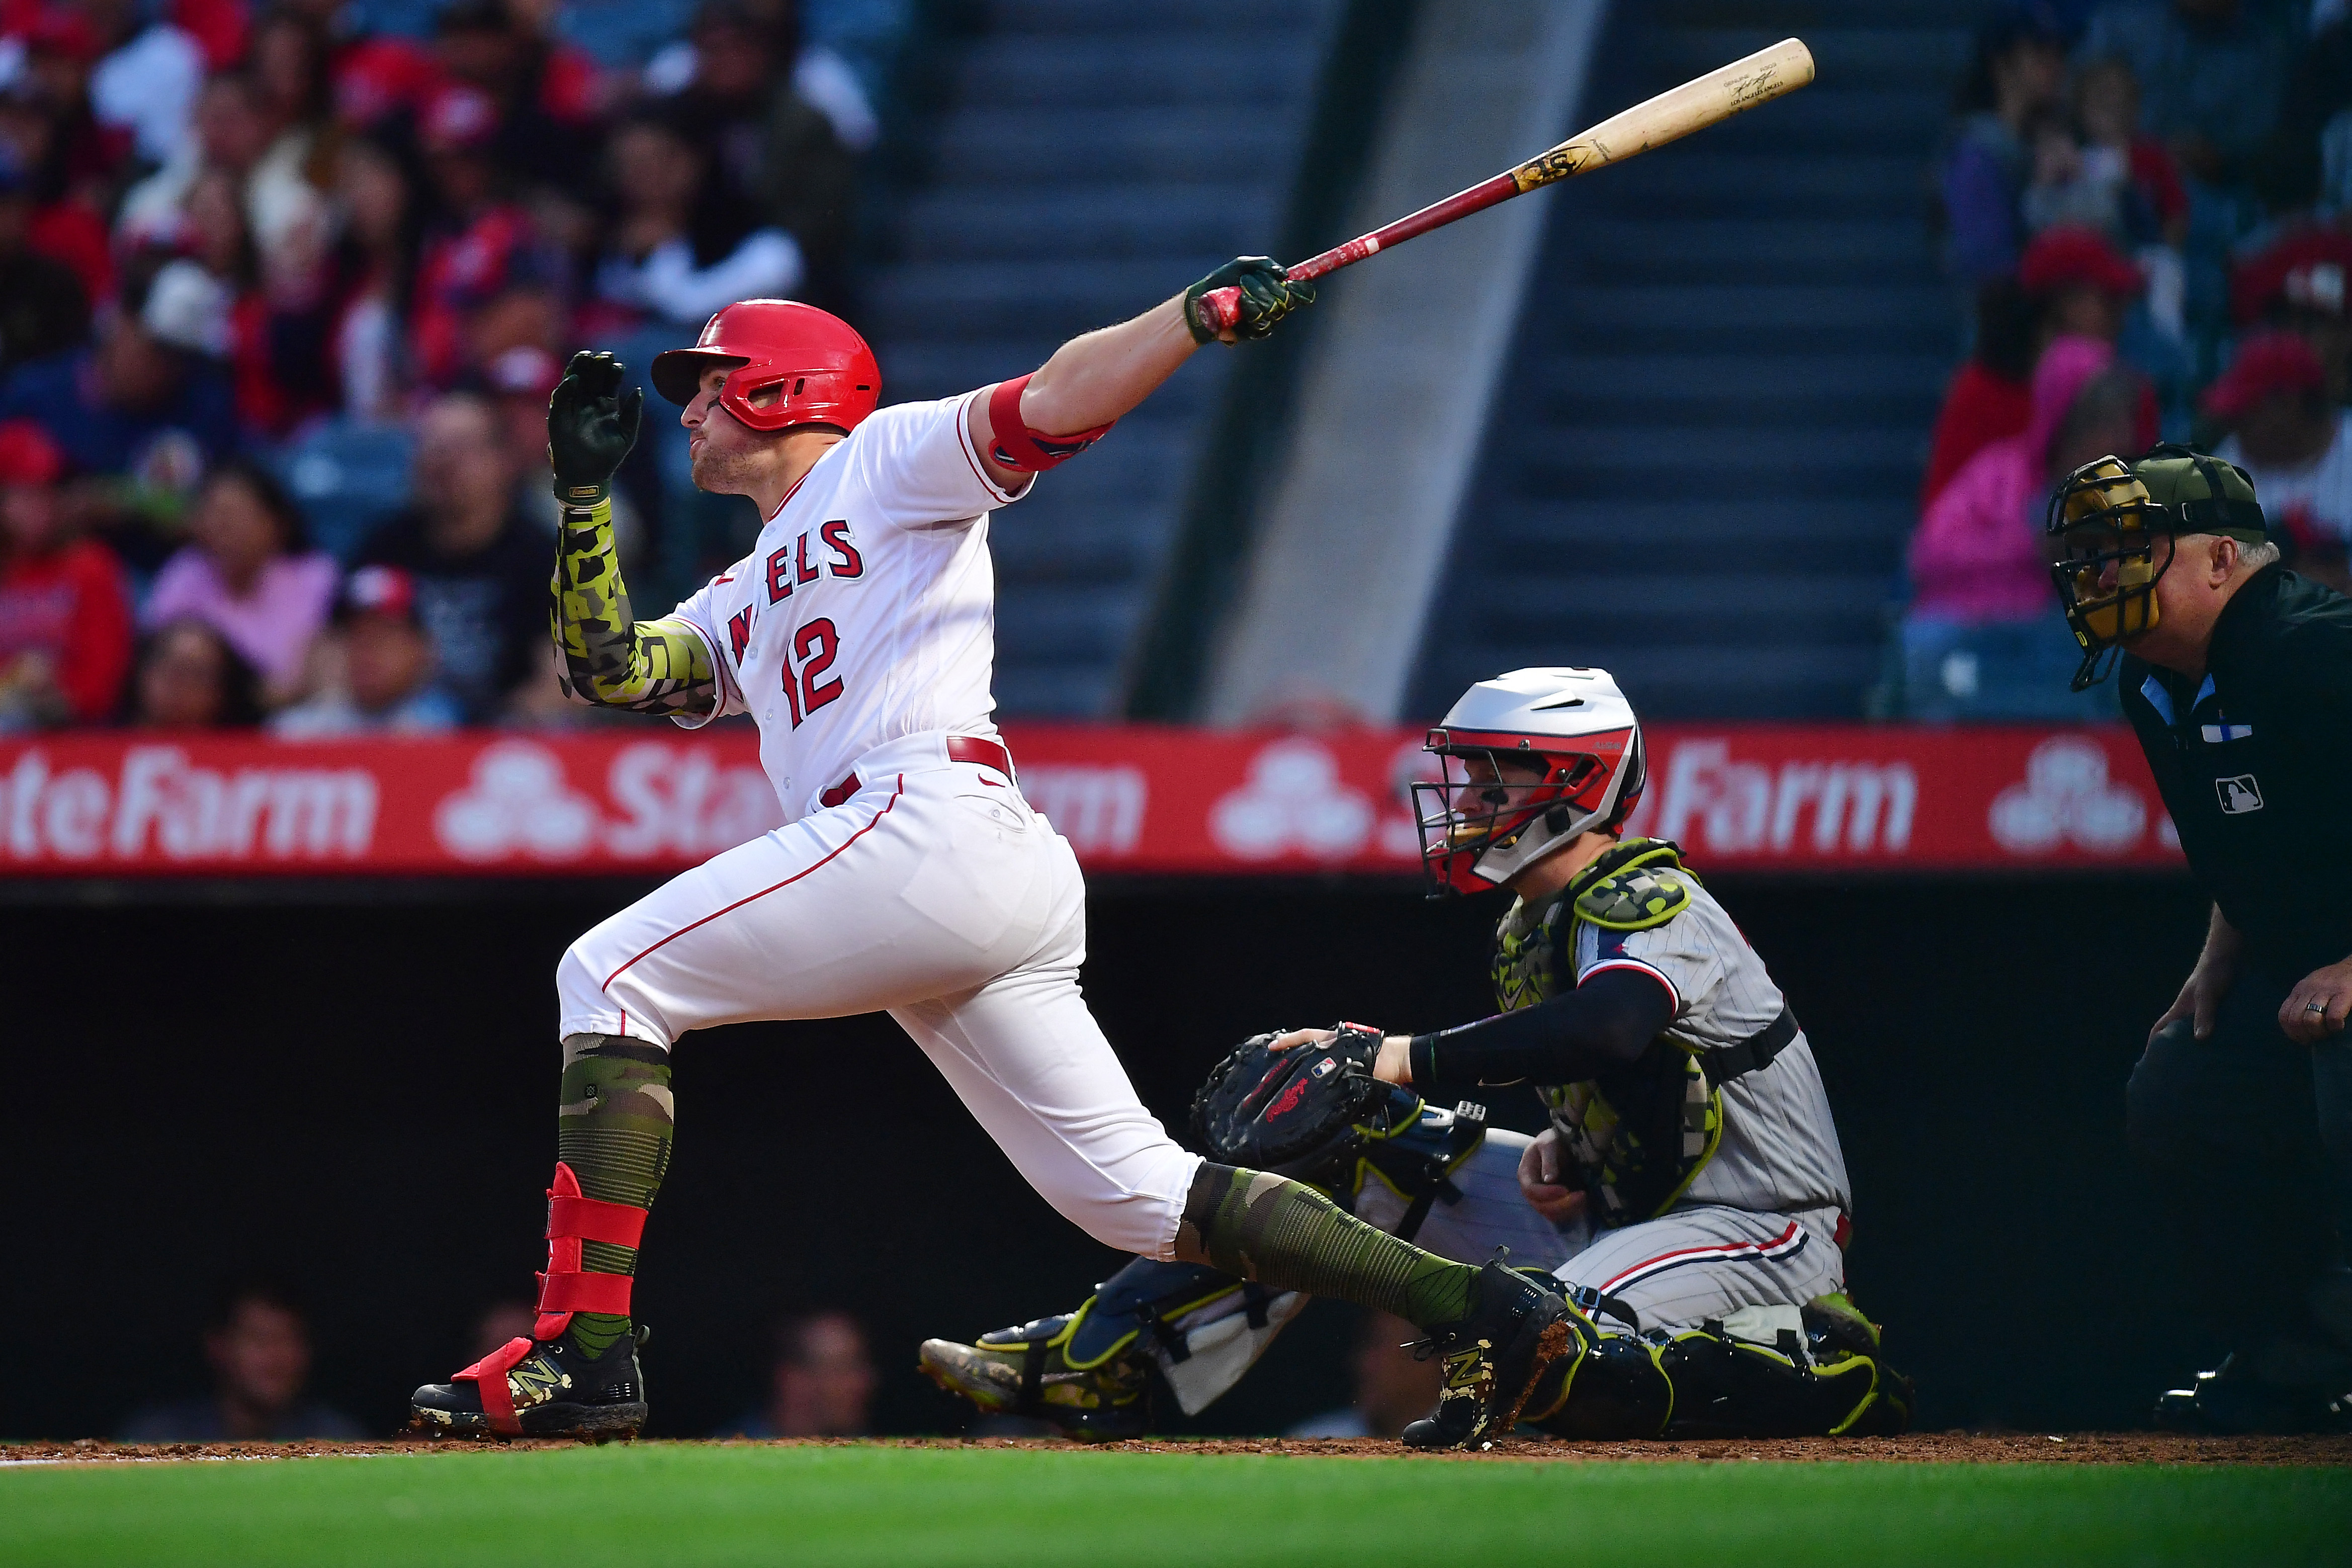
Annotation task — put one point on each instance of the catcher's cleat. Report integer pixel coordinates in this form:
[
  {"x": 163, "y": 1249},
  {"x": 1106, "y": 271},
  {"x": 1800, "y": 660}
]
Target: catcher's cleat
[
  {"x": 1028, "y": 1370},
  {"x": 1517, "y": 1328},
  {"x": 539, "y": 1388}
]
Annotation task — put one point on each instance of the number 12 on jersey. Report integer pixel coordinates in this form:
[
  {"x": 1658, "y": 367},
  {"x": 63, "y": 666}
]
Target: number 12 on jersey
[{"x": 815, "y": 648}]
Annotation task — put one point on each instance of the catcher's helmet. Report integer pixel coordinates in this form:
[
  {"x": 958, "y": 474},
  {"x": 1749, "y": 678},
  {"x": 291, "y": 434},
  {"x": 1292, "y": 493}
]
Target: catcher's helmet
[
  {"x": 1531, "y": 759},
  {"x": 2112, "y": 513},
  {"x": 820, "y": 369}
]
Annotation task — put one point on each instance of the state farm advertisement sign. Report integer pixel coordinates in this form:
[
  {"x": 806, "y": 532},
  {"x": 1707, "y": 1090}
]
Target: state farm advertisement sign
[{"x": 1847, "y": 798}]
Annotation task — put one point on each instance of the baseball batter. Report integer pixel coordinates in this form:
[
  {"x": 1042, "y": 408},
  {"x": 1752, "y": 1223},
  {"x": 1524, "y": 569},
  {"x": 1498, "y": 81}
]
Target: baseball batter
[
  {"x": 1689, "y": 1194},
  {"x": 911, "y": 875}
]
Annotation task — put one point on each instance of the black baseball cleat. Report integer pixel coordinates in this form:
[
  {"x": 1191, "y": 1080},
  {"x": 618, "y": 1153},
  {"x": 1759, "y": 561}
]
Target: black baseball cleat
[
  {"x": 2229, "y": 1400},
  {"x": 1516, "y": 1329},
  {"x": 539, "y": 1388},
  {"x": 1039, "y": 1372}
]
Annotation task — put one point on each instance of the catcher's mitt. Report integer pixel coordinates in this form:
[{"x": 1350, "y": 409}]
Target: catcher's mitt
[{"x": 1291, "y": 1112}]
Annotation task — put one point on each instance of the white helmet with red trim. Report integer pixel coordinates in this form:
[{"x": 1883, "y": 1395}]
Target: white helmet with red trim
[{"x": 1531, "y": 759}]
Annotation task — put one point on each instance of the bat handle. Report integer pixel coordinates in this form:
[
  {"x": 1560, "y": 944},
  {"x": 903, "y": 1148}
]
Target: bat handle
[{"x": 1220, "y": 310}]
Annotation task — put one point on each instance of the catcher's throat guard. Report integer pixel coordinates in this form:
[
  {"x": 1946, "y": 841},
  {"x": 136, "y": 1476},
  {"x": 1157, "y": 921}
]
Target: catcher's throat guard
[
  {"x": 2118, "y": 523},
  {"x": 792, "y": 364},
  {"x": 1530, "y": 761}
]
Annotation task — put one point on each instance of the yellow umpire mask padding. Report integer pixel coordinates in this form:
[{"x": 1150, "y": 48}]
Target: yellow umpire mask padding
[{"x": 2103, "y": 515}]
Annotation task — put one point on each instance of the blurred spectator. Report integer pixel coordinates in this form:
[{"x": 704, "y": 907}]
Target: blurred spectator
[
  {"x": 1392, "y": 1390},
  {"x": 188, "y": 678},
  {"x": 821, "y": 77},
  {"x": 1989, "y": 396},
  {"x": 775, "y": 152},
  {"x": 65, "y": 623},
  {"x": 257, "y": 1344},
  {"x": 2212, "y": 74},
  {"x": 386, "y": 686},
  {"x": 681, "y": 245},
  {"x": 249, "y": 572},
  {"x": 243, "y": 137},
  {"x": 147, "y": 79},
  {"x": 2297, "y": 446},
  {"x": 374, "y": 266},
  {"x": 2299, "y": 282},
  {"x": 480, "y": 565},
  {"x": 1982, "y": 639},
  {"x": 2071, "y": 283},
  {"x": 2114, "y": 178},
  {"x": 500, "y": 1323},
  {"x": 70, "y": 159},
  {"x": 480, "y": 242},
  {"x": 541, "y": 92},
  {"x": 2014, "y": 82},
  {"x": 44, "y": 309},
  {"x": 150, "y": 400},
  {"x": 822, "y": 1384}
]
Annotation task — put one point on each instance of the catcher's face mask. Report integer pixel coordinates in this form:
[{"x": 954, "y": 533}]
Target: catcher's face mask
[
  {"x": 2109, "y": 529},
  {"x": 1503, "y": 805}
]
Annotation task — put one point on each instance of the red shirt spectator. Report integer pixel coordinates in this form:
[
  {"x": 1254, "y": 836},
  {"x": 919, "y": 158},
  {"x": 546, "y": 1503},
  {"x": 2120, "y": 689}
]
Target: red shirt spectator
[{"x": 65, "y": 623}]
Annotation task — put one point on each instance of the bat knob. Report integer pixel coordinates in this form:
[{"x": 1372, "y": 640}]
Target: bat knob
[{"x": 1220, "y": 310}]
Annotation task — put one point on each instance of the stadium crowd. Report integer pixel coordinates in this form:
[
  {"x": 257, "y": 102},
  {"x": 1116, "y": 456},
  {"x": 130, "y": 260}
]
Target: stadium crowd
[
  {"x": 2147, "y": 205},
  {"x": 284, "y": 286}
]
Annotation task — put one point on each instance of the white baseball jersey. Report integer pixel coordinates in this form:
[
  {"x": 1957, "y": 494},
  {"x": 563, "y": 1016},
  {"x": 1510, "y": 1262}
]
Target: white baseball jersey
[
  {"x": 867, "y": 612},
  {"x": 1779, "y": 1150}
]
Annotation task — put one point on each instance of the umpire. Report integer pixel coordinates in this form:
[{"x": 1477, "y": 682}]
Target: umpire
[{"x": 2236, "y": 675}]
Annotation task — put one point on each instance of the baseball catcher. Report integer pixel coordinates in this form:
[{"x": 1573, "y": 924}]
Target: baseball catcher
[{"x": 1689, "y": 1197}]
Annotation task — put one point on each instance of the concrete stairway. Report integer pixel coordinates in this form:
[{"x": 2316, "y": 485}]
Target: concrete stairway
[
  {"x": 1705, "y": 459},
  {"x": 1097, "y": 158}
]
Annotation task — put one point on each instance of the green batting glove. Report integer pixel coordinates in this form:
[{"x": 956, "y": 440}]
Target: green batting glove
[
  {"x": 590, "y": 429},
  {"x": 1267, "y": 296}
]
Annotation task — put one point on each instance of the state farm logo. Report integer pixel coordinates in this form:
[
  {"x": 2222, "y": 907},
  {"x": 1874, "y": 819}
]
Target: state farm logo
[
  {"x": 1294, "y": 801},
  {"x": 670, "y": 802},
  {"x": 1704, "y": 798},
  {"x": 2067, "y": 798},
  {"x": 1098, "y": 809},
  {"x": 518, "y": 799},
  {"x": 160, "y": 803}
]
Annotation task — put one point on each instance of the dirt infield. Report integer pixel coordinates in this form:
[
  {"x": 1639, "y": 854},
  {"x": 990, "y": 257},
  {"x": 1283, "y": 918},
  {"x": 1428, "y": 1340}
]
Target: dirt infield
[{"x": 1919, "y": 1447}]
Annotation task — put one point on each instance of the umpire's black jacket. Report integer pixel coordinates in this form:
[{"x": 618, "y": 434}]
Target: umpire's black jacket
[{"x": 2255, "y": 763}]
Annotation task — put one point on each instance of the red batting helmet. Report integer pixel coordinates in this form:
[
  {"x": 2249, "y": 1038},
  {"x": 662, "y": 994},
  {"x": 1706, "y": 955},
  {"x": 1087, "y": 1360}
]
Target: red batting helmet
[{"x": 822, "y": 368}]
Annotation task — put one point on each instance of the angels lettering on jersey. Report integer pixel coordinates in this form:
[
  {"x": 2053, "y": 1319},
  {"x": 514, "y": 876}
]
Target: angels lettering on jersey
[{"x": 866, "y": 611}]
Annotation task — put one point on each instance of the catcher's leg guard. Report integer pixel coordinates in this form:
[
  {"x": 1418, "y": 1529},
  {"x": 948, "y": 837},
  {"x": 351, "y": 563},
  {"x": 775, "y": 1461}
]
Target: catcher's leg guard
[
  {"x": 1614, "y": 1387},
  {"x": 547, "y": 1386},
  {"x": 1496, "y": 1357},
  {"x": 1088, "y": 1371},
  {"x": 1820, "y": 1373}
]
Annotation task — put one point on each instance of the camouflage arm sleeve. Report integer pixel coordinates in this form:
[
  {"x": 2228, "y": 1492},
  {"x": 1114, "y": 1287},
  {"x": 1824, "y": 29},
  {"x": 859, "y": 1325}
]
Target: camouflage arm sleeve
[{"x": 611, "y": 658}]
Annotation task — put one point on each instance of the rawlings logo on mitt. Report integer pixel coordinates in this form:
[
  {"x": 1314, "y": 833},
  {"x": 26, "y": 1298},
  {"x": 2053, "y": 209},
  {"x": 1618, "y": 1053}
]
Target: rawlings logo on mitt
[{"x": 1290, "y": 1112}]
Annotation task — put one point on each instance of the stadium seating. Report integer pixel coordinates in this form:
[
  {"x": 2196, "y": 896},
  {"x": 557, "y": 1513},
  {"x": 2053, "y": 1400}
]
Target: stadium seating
[
  {"x": 1096, "y": 160},
  {"x": 1706, "y": 458}
]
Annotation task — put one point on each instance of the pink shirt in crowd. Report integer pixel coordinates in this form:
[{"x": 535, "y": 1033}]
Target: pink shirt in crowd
[
  {"x": 272, "y": 625},
  {"x": 1979, "y": 555}
]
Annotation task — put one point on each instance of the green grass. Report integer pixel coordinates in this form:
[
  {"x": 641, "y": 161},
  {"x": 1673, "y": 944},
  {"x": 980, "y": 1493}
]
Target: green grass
[{"x": 651, "y": 1505}]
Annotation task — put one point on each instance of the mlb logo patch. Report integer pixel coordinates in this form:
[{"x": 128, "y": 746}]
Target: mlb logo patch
[
  {"x": 1325, "y": 1066},
  {"x": 2239, "y": 795}
]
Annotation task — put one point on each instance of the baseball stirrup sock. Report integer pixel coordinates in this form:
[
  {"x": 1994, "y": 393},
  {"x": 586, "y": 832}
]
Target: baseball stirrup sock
[
  {"x": 612, "y": 1128},
  {"x": 1283, "y": 1233}
]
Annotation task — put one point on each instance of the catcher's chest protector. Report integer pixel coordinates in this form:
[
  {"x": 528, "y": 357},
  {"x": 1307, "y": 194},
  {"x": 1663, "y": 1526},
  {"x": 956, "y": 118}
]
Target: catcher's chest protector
[{"x": 1639, "y": 1136}]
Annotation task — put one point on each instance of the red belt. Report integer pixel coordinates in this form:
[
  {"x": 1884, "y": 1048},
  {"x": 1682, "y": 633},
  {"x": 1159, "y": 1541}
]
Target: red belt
[{"x": 961, "y": 749}]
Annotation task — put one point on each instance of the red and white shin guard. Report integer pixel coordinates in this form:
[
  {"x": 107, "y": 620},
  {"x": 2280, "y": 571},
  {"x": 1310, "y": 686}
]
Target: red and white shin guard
[{"x": 563, "y": 1289}]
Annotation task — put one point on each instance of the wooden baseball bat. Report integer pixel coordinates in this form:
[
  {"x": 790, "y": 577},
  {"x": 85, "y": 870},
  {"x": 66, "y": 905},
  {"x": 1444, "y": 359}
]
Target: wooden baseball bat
[{"x": 1697, "y": 104}]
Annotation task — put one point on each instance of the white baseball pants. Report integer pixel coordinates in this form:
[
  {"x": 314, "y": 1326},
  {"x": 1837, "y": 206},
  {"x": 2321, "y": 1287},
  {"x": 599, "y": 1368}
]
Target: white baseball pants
[{"x": 937, "y": 894}]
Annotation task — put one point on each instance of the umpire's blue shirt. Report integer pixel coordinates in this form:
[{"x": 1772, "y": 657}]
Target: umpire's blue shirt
[{"x": 2255, "y": 763}]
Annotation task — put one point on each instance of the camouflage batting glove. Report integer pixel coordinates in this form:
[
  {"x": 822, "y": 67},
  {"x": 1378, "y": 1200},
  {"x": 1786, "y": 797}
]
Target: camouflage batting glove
[
  {"x": 590, "y": 429},
  {"x": 1267, "y": 296}
]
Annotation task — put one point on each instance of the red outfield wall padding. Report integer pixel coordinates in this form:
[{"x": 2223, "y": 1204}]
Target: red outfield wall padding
[{"x": 1843, "y": 798}]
